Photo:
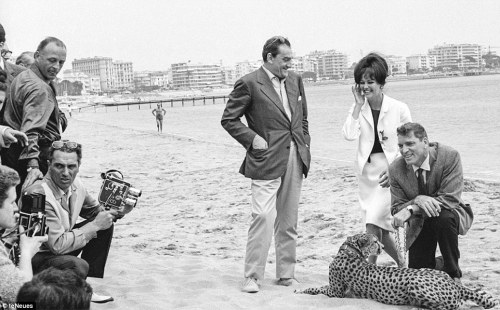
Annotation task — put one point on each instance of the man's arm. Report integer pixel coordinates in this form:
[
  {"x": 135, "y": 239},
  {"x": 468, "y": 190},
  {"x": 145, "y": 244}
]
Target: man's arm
[
  {"x": 452, "y": 182},
  {"x": 62, "y": 241},
  {"x": 305, "y": 122},
  {"x": 63, "y": 121},
  {"x": 399, "y": 199},
  {"x": 90, "y": 207},
  {"x": 9, "y": 136},
  {"x": 37, "y": 108},
  {"x": 237, "y": 104}
]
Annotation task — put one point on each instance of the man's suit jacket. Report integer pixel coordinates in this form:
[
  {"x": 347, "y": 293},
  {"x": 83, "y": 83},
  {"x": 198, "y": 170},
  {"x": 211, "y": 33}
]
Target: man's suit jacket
[
  {"x": 444, "y": 183},
  {"x": 63, "y": 238},
  {"x": 255, "y": 97},
  {"x": 12, "y": 71}
]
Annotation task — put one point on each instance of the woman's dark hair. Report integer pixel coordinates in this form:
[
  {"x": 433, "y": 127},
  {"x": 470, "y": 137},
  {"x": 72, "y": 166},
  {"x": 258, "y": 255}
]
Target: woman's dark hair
[
  {"x": 372, "y": 65},
  {"x": 8, "y": 178}
]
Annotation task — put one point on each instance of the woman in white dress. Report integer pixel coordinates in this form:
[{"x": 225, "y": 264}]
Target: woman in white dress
[{"x": 373, "y": 120}]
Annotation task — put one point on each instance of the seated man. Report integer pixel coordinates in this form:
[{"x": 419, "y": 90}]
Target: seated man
[
  {"x": 56, "y": 289},
  {"x": 426, "y": 186},
  {"x": 66, "y": 200}
]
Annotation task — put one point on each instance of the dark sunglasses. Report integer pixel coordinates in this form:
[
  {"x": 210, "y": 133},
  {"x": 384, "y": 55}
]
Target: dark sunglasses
[{"x": 57, "y": 145}]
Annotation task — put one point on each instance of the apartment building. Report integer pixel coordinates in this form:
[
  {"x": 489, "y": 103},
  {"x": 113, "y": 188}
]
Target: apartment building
[
  {"x": 243, "y": 68},
  {"x": 421, "y": 62},
  {"x": 303, "y": 64},
  {"x": 113, "y": 75},
  {"x": 331, "y": 64},
  {"x": 97, "y": 66},
  {"x": 196, "y": 76},
  {"x": 397, "y": 64},
  {"x": 124, "y": 74},
  {"x": 459, "y": 56}
]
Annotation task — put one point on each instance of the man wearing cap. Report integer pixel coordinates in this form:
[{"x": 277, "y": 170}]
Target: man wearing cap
[
  {"x": 277, "y": 141},
  {"x": 66, "y": 199},
  {"x": 32, "y": 108}
]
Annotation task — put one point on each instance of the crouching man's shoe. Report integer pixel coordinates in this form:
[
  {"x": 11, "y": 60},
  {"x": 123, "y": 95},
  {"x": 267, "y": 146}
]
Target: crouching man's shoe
[
  {"x": 100, "y": 299},
  {"x": 250, "y": 286}
]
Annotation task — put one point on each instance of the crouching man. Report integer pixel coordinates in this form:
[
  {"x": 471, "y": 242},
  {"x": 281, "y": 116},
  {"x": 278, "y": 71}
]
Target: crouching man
[{"x": 66, "y": 199}]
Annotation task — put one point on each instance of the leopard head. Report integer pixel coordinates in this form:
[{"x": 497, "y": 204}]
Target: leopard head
[{"x": 365, "y": 244}]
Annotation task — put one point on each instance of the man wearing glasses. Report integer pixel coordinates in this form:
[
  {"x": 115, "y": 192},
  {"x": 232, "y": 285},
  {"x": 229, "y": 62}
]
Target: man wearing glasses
[
  {"x": 11, "y": 69},
  {"x": 277, "y": 141},
  {"x": 66, "y": 199},
  {"x": 31, "y": 107}
]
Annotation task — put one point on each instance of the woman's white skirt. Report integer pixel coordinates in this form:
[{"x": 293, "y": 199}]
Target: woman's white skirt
[{"x": 375, "y": 201}]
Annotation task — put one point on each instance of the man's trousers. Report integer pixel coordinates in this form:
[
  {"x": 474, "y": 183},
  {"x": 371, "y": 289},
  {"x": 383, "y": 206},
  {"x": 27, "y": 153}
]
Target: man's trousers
[
  {"x": 92, "y": 261},
  {"x": 275, "y": 205}
]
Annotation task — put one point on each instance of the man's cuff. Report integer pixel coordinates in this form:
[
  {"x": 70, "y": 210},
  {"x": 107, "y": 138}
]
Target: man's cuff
[
  {"x": 89, "y": 231},
  {"x": 3, "y": 129}
]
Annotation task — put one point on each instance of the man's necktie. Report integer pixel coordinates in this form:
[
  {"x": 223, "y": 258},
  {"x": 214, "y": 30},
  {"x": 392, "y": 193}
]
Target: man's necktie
[{"x": 422, "y": 189}]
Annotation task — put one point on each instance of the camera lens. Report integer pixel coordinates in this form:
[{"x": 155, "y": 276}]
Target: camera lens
[{"x": 134, "y": 192}]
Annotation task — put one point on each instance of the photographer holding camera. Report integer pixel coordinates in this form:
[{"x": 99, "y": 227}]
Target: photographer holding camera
[
  {"x": 12, "y": 277},
  {"x": 65, "y": 200}
]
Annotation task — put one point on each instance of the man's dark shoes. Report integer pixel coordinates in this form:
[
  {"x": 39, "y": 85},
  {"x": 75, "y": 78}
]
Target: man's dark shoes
[{"x": 100, "y": 299}]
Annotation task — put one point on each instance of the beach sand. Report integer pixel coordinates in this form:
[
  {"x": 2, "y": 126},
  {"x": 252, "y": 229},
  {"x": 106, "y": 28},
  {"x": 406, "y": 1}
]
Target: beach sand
[{"x": 183, "y": 246}]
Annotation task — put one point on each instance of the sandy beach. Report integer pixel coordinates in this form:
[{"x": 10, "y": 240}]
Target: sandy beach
[{"x": 182, "y": 247}]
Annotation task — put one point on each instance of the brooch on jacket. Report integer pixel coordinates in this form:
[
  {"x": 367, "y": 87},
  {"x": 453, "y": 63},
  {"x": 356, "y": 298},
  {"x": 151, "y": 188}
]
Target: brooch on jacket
[{"x": 382, "y": 138}]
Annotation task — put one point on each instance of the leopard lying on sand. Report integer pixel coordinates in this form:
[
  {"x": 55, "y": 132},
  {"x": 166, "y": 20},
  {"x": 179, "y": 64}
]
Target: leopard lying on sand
[{"x": 351, "y": 274}]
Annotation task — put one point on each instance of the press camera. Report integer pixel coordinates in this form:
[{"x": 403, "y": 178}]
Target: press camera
[
  {"x": 32, "y": 215},
  {"x": 117, "y": 194}
]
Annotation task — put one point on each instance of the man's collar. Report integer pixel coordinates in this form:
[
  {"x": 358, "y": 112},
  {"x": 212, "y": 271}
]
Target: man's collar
[
  {"x": 271, "y": 75},
  {"x": 2, "y": 65},
  {"x": 36, "y": 70},
  {"x": 425, "y": 165}
]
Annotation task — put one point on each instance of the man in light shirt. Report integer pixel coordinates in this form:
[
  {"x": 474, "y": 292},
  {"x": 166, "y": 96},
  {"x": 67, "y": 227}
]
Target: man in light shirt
[
  {"x": 426, "y": 186},
  {"x": 277, "y": 142},
  {"x": 66, "y": 199}
]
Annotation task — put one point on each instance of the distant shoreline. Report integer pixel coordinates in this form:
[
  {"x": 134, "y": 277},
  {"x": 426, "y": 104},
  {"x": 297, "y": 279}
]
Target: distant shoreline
[{"x": 399, "y": 78}]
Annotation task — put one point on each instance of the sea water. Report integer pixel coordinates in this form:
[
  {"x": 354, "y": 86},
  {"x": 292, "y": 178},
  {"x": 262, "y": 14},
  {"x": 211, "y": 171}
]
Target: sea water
[{"x": 462, "y": 112}]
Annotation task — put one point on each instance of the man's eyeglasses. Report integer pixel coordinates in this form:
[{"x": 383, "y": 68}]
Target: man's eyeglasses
[{"x": 57, "y": 145}]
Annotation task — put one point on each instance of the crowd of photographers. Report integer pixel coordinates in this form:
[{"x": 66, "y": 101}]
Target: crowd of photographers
[{"x": 59, "y": 235}]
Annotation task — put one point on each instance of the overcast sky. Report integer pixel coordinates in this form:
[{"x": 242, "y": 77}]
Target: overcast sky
[{"x": 155, "y": 33}]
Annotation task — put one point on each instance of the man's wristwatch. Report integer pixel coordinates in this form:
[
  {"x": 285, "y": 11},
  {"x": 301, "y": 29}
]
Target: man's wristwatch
[{"x": 410, "y": 208}]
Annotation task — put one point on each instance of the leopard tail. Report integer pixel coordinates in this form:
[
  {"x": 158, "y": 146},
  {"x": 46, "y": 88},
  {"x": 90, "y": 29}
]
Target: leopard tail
[
  {"x": 317, "y": 290},
  {"x": 481, "y": 298}
]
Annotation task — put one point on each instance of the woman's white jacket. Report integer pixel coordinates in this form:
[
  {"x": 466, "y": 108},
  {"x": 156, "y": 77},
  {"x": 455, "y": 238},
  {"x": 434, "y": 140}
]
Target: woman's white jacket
[{"x": 393, "y": 113}]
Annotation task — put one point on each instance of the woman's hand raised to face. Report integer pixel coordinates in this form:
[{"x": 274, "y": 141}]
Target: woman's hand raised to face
[{"x": 358, "y": 95}]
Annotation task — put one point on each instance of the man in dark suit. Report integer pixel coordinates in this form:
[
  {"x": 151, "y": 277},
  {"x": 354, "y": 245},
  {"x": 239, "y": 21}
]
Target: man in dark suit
[
  {"x": 426, "y": 187},
  {"x": 11, "y": 69},
  {"x": 277, "y": 141}
]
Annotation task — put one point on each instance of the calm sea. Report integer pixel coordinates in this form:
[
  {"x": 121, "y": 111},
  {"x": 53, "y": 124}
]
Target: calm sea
[{"x": 462, "y": 112}]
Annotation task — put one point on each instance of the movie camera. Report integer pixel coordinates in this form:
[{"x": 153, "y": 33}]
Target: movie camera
[{"x": 117, "y": 194}]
